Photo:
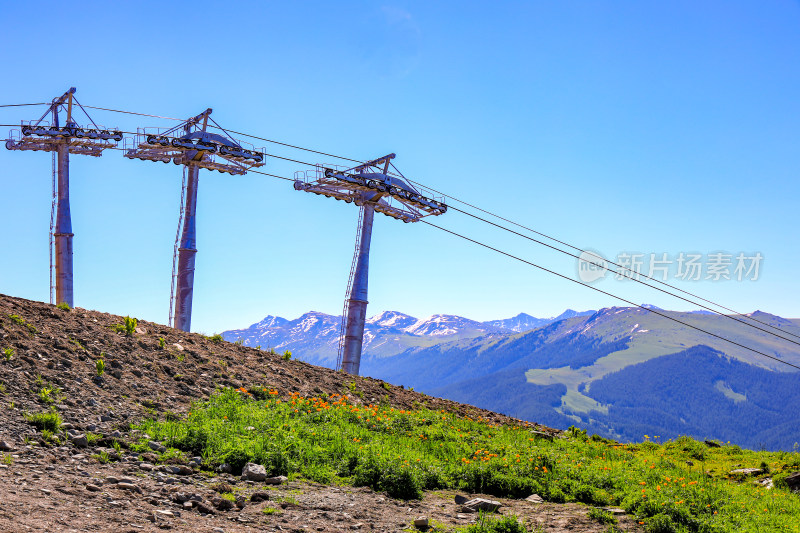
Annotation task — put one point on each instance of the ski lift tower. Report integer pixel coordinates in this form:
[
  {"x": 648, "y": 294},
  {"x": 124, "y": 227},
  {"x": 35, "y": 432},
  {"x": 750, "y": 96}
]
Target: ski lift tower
[
  {"x": 190, "y": 145},
  {"x": 62, "y": 141},
  {"x": 374, "y": 188}
]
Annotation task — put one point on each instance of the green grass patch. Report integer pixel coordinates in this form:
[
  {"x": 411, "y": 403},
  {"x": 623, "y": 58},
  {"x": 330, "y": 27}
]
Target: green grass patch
[
  {"x": 128, "y": 326},
  {"x": 406, "y": 452},
  {"x": 493, "y": 524},
  {"x": 50, "y": 421},
  {"x": 22, "y": 322}
]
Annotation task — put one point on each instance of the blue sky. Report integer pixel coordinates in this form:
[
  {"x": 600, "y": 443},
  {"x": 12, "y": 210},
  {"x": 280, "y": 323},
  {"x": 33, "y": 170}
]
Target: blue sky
[{"x": 646, "y": 127}]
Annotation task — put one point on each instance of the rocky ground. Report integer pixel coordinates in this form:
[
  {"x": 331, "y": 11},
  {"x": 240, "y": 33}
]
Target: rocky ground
[{"x": 158, "y": 371}]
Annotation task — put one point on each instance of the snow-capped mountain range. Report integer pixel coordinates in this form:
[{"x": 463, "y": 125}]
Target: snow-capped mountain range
[{"x": 315, "y": 336}]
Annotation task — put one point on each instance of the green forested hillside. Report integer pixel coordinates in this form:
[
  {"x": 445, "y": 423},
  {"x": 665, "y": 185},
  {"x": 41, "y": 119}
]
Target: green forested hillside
[{"x": 624, "y": 373}]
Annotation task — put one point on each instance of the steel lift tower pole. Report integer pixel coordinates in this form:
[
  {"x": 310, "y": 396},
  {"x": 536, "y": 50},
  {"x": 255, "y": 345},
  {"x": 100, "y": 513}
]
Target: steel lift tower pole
[
  {"x": 70, "y": 138},
  {"x": 188, "y": 247},
  {"x": 356, "y": 306},
  {"x": 373, "y": 187},
  {"x": 191, "y": 145},
  {"x": 63, "y": 232}
]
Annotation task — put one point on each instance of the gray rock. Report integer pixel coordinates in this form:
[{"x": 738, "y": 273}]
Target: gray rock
[
  {"x": 6, "y": 447},
  {"x": 147, "y": 467},
  {"x": 793, "y": 481},
  {"x": 747, "y": 471},
  {"x": 481, "y": 504},
  {"x": 224, "y": 468},
  {"x": 111, "y": 480},
  {"x": 129, "y": 486},
  {"x": 93, "y": 488},
  {"x": 461, "y": 500},
  {"x": 156, "y": 446},
  {"x": 276, "y": 480},
  {"x": 421, "y": 522},
  {"x": 254, "y": 472},
  {"x": 535, "y": 498},
  {"x": 616, "y": 511},
  {"x": 80, "y": 440},
  {"x": 541, "y": 435},
  {"x": 204, "y": 508}
]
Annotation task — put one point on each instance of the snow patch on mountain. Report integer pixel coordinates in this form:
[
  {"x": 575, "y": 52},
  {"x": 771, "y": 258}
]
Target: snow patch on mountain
[{"x": 392, "y": 319}]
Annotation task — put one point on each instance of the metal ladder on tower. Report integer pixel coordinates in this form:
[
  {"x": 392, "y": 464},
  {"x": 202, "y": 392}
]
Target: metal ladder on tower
[
  {"x": 343, "y": 326},
  {"x": 175, "y": 251},
  {"x": 52, "y": 226}
]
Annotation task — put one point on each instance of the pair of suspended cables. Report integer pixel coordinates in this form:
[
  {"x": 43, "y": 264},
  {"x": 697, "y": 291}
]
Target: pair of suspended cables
[{"x": 624, "y": 271}]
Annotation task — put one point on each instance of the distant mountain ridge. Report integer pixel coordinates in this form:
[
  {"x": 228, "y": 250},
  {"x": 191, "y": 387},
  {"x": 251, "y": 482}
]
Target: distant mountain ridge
[{"x": 314, "y": 336}]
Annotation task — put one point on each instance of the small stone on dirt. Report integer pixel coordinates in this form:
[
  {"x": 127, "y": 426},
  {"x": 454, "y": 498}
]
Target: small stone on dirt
[
  {"x": 535, "y": 498},
  {"x": 80, "y": 440},
  {"x": 203, "y": 507},
  {"x": 276, "y": 480},
  {"x": 481, "y": 504},
  {"x": 92, "y": 488},
  {"x": 254, "y": 472},
  {"x": 129, "y": 486},
  {"x": 156, "y": 446},
  {"x": 421, "y": 522}
]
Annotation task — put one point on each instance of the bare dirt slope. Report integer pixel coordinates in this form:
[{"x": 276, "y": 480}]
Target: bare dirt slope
[{"x": 64, "y": 487}]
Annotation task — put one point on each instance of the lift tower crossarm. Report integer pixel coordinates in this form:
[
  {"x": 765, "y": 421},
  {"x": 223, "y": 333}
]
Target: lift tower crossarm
[{"x": 188, "y": 248}]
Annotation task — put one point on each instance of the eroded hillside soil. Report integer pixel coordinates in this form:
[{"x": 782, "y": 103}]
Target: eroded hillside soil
[{"x": 158, "y": 371}]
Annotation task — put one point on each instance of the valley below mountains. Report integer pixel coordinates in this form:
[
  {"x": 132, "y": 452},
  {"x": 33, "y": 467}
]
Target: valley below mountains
[{"x": 620, "y": 372}]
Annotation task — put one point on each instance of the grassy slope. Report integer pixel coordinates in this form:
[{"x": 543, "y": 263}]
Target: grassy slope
[{"x": 678, "y": 486}]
